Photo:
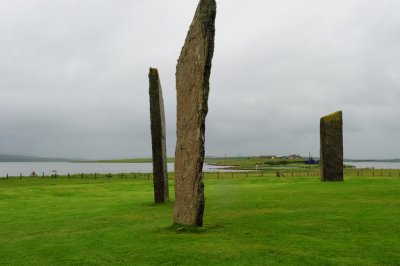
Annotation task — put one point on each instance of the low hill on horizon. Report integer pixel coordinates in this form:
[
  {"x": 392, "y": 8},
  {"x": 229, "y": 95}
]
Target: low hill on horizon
[{"x": 26, "y": 158}]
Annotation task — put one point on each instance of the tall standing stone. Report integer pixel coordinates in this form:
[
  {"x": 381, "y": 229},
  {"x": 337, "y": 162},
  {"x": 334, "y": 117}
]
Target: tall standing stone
[
  {"x": 192, "y": 86},
  {"x": 331, "y": 137},
  {"x": 158, "y": 139}
]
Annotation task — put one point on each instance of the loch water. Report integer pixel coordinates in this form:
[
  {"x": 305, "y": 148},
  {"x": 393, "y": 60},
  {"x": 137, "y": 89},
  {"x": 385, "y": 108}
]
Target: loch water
[{"x": 63, "y": 168}]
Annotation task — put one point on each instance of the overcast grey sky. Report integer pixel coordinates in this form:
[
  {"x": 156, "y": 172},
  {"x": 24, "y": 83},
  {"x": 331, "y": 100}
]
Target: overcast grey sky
[{"x": 73, "y": 75}]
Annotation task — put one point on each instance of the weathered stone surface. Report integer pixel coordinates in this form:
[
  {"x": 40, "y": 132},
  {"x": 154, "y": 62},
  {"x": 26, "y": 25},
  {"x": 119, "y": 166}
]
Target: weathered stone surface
[
  {"x": 192, "y": 86},
  {"x": 331, "y": 137},
  {"x": 158, "y": 139}
]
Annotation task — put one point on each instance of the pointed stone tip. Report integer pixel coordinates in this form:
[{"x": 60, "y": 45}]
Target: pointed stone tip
[
  {"x": 210, "y": 4},
  {"x": 205, "y": 15},
  {"x": 153, "y": 71},
  {"x": 207, "y": 3}
]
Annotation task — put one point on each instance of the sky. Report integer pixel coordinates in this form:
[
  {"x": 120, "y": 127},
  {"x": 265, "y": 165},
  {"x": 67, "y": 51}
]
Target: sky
[{"x": 74, "y": 76}]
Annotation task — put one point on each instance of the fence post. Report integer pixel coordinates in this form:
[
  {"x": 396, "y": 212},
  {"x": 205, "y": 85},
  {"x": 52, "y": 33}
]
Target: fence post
[
  {"x": 7, "y": 175},
  {"x": 20, "y": 176}
]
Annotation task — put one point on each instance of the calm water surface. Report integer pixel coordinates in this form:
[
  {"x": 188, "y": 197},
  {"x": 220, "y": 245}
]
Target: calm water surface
[
  {"x": 63, "y": 168},
  {"x": 375, "y": 165}
]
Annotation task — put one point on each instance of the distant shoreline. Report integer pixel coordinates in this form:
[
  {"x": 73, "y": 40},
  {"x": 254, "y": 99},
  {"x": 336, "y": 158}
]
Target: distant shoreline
[
  {"x": 372, "y": 160},
  {"x": 22, "y": 158}
]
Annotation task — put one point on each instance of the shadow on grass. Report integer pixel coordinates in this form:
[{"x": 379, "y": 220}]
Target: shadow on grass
[
  {"x": 191, "y": 229},
  {"x": 153, "y": 204}
]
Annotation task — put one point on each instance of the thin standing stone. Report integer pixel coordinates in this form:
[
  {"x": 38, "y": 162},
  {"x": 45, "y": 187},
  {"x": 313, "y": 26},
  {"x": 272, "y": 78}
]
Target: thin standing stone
[
  {"x": 192, "y": 86},
  {"x": 331, "y": 134},
  {"x": 158, "y": 139}
]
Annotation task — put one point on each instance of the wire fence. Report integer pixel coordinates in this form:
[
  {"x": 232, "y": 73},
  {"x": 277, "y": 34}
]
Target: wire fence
[
  {"x": 82, "y": 176},
  {"x": 283, "y": 173}
]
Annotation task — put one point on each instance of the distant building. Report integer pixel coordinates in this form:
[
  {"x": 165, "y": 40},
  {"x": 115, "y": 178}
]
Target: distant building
[
  {"x": 292, "y": 157},
  {"x": 289, "y": 157},
  {"x": 268, "y": 156}
]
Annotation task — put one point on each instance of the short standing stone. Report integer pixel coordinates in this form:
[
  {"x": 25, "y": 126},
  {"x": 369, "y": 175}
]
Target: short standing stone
[
  {"x": 331, "y": 134},
  {"x": 192, "y": 86},
  {"x": 158, "y": 139}
]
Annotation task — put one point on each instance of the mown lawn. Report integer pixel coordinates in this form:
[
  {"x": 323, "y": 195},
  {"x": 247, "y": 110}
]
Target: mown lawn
[{"x": 248, "y": 221}]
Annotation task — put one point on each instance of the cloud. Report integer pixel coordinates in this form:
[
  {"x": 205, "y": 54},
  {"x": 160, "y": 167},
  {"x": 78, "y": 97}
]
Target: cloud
[{"x": 73, "y": 75}]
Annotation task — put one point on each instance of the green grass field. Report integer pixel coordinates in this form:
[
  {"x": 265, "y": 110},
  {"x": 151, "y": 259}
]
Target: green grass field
[
  {"x": 249, "y": 163},
  {"x": 253, "y": 220}
]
